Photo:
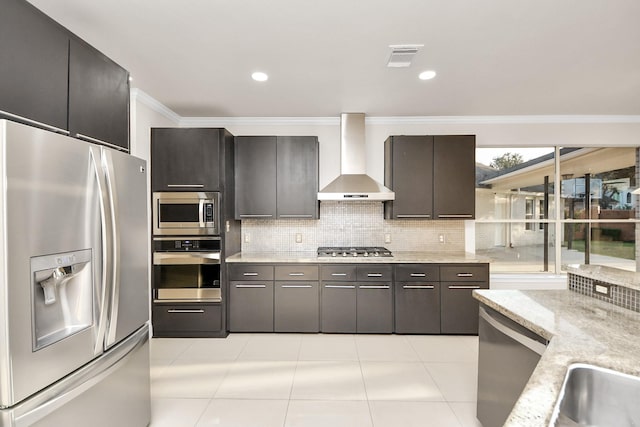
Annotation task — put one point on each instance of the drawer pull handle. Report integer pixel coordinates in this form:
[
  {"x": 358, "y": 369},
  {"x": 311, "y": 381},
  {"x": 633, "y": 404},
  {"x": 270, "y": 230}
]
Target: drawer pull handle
[
  {"x": 249, "y": 274},
  {"x": 251, "y": 286},
  {"x": 464, "y": 287},
  {"x": 295, "y": 216},
  {"x": 339, "y": 274},
  {"x": 256, "y": 216},
  {"x": 455, "y": 216},
  {"x": 297, "y": 286},
  {"x": 415, "y": 216},
  {"x": 374, "y": 287},
  {"x": 340, "y": 286},
  {"x": 418, "y": 275},
  {"x": 374, "y": 274},
  {"x": 418, "y": 287},
  {"x": 296, "y": 274},
  {"x": 465, "y": 274},
  {"x": 174, "y": 310},
  {"x": 185, "y": 185}
]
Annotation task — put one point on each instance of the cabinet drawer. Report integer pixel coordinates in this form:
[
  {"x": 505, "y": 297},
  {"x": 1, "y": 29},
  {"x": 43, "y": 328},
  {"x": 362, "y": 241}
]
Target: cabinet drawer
[
  {"x": 375, "y": 273},
  {"x": 338, "y": 273},
  {"x": 250, "y": 272},
  {"x": 464, "y": 273},
  {"x": 417, "y": 273},
  {"x": 185, "y": 318},
  {"x": 296, "y": 272}
]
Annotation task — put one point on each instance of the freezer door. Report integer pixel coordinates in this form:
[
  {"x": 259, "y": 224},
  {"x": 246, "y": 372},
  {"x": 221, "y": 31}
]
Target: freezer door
[
  {"x": 126, "y": 184},
  {"x": 50, "y": 259}
]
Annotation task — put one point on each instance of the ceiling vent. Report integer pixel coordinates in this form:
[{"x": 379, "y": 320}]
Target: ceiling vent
[{"x": 402, "y": 55}]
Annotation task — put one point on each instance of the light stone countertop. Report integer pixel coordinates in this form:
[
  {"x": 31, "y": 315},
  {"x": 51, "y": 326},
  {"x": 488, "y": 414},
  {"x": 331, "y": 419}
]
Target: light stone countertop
[
  {"x": 398, "y": 257},
  {"x": 579, "y": 328}
]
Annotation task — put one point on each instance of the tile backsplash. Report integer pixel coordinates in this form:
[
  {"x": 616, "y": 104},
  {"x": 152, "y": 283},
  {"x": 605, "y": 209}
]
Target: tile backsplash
[{"x": 351, "y": 224}]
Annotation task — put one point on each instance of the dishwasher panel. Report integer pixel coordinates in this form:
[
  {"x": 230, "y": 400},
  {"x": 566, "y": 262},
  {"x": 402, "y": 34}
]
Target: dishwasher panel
[{"x": 508, "y": 354}]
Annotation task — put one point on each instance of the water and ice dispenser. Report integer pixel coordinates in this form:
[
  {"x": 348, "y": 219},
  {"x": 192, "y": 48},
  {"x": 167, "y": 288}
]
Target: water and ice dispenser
[{"x": 62, "y": 296}]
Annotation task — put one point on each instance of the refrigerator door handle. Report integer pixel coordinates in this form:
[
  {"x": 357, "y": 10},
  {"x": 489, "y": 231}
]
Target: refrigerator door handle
[
  {"x": 103, "y": 294},
  {"x": 113, "y": 242}
]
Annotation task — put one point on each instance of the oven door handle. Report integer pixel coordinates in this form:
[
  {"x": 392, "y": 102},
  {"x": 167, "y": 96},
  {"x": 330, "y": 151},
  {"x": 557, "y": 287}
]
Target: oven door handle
[{"x": 182, "y": 258}]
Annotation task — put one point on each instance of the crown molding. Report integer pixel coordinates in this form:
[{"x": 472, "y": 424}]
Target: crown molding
[
  {"x": 149, "y": 101},
  {"x": 257, "y": 121},
  {"x": 533, "y": 119},
  {"x": 146, "y": 99}
]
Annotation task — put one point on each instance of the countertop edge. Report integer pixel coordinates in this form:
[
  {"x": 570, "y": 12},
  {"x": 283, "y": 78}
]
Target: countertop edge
[{"x": 399, "y": 257}]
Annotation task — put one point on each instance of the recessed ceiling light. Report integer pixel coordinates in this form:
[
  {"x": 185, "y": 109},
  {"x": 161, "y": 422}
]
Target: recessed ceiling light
[
  {"x": 259, "y": 76},
  {"x": 427, "y": 75}
]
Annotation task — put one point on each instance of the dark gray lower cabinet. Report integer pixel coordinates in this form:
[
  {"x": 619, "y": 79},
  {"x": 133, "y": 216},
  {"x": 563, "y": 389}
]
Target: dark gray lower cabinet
[
  {"x": 296, "y": 307},
  {"x": 374, "y": 308},
  {"x": 251, "y": 306},
  {"x": 339, "y": 307},
  {"x": 417, "y": 307},
  {"x": 459, "y": 308},
  {"x": 187, "y": 320}
]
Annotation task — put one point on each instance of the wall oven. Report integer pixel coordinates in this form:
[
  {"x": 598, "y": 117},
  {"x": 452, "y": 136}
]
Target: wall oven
[
  {"x": 186, "y": 213},
  {"x": 186, "y": 269}
]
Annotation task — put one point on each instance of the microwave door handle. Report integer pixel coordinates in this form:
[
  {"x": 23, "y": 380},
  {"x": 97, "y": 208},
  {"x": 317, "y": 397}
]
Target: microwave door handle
[
  {"x": 103, "y": 286},
  {"x": 201, "y": 215}
]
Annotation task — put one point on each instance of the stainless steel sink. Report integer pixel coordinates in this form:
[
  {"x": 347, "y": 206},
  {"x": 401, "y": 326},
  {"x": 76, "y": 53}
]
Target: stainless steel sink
[{"x": 593, "y": 396}]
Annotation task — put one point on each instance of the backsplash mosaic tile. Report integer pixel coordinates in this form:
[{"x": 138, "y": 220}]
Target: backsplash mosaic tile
[
  {"x": 351, "y": 224},
  {"x": 620, "y": 295}
]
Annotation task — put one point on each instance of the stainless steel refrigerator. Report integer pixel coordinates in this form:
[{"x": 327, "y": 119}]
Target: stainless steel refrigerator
[{"x": 74, "y": 304}]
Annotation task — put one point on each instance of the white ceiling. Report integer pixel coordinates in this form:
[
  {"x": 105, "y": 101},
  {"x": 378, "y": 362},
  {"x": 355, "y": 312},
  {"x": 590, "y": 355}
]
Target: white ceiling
[{"x": 493, "y": 57}]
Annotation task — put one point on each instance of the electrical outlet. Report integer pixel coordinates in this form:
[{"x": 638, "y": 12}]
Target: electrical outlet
[
  {"x": 387, "y": 237},
  {"x": 247, "y": 237},
  {"x": 441, "y": 238},
  {"x": 602, "y": 288},
  {"x": 298, "y": 237}
]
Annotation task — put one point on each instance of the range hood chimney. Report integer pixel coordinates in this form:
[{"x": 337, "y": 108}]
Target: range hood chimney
[{"x": 353, "y": 184}]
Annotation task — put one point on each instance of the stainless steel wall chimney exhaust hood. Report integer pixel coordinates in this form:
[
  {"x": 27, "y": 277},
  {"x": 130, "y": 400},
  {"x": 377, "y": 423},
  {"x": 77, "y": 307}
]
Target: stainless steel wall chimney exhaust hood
[{"x": 354, "y": 184}]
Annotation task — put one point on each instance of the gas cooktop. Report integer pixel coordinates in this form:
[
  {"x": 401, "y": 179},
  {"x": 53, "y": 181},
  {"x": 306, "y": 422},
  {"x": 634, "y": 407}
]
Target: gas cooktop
[{"x": 357, "y": 251}]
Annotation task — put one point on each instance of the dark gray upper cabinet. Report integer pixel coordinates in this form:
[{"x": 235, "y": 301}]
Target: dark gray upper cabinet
[
  {"x": 433, "y": 177},
  {"x": 408, "y": 172},
  {"x": 186, "y": 159},
  {"x": 454, "y": 177},
  {"x": 34, "y": 58},
  {"x": 255, "y": 161},
  {"x": 276, "y": 177},
  {"x": 98, "y": 96},
  {"x": 297, "y": 177}
]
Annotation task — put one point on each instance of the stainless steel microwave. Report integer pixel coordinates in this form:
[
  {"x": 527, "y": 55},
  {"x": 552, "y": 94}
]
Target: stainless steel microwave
[{"x": 186, "y": 213}]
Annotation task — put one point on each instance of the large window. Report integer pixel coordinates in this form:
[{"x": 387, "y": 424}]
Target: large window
[{"x": 526, "y": 223}]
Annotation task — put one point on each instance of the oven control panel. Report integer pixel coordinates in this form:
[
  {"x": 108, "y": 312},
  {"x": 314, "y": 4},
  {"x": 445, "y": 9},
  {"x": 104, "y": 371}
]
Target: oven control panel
[{"x": 185, "y": 245}]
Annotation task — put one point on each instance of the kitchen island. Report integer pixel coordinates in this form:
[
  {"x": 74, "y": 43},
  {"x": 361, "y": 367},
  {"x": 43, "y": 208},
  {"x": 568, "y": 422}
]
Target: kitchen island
[{"x": 579, "y": 328}]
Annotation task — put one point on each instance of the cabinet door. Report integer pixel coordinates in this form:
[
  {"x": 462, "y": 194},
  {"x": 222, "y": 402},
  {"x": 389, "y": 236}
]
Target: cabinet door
[
  {"x": 297, "y": 177},
  {"x": 374, "y": 308},
  {"x": 34, "y": 57},
  {"x": 98, "y": 96},
  {"x": 459, "y": 308},
  {"x": 251, "y": 306},
  {"x": 417, "y": 307},
  {"x": 255, "y": 172},
  {"x": 185, "y": 159},
  {"x": 454, "y": 177},
  {"x": 338, "y": 307},
  {"x": 409, "y": 173},
  {"x": 297, "y": 307}
]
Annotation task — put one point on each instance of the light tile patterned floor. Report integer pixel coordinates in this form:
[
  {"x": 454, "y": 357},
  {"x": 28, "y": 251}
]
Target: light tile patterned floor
[{"x": 308, "y": 380}]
